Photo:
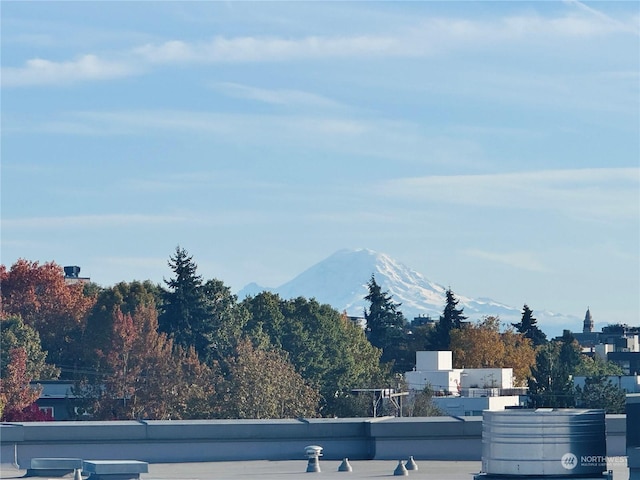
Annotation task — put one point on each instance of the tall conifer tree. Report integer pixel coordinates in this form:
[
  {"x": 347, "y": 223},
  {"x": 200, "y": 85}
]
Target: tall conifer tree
[
  {"x": 386, "y": 326},
  {"x": 527, "y": 327},
  {"x": 185, "y": 316},
  {"x": 452, "y": 317}
]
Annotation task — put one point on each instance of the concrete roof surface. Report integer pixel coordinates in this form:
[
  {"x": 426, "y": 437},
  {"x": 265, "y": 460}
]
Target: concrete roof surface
[{"x": 293, "y": 470}]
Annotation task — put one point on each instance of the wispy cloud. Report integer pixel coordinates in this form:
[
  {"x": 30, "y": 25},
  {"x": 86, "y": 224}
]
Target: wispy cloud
[
  {"x": 521, "y": 260},
  {"x": 149, "y": 122},
  {"x": 425, "y": 37},
  {"x": 612, "y": 193},
  {"x": 261, "y": 49},
  {"x": 109, "y": 220},
  {"x": 39, "y": 71},
  {"x": 604, "y": 21},
  {"x": 83, "y": 221},
  {"x": 347, "y": 134},
  {"x": 281, "y": 97},
  {"x": 189, "y": 181}
]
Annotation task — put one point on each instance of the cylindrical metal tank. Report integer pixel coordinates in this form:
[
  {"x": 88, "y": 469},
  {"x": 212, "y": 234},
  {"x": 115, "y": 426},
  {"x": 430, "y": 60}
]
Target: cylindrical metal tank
[{"x": 544, "y": 442}]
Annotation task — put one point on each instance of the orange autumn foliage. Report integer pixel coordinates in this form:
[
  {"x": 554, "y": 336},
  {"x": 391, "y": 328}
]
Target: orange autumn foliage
[{"x": 39, "y": 294}]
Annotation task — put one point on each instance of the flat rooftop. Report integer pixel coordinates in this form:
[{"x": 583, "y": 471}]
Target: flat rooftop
[{"x": 294, "y": 469}]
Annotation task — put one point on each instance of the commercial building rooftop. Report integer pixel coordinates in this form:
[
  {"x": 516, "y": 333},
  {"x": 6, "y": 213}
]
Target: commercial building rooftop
[{"x": 294, "y": 469}]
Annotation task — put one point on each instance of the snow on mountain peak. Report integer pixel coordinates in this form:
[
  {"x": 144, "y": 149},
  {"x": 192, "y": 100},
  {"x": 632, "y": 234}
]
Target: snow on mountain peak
[{"x": 341, "y": 281}]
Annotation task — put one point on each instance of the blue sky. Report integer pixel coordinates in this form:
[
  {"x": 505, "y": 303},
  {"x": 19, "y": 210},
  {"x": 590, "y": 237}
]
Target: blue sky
[{"x": 492, "y": 146}]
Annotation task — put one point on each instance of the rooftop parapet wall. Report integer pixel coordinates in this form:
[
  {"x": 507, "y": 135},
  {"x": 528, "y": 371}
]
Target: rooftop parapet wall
[
  {"x": 633, "y": 420},
  {"x": 386, "y": 438},
  {"x": 633, "y": 435},
  {"x": 254, "y": 429}
]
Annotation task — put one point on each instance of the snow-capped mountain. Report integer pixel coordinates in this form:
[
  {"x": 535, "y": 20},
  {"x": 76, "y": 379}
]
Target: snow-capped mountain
[{"x": 341, "y": 281}]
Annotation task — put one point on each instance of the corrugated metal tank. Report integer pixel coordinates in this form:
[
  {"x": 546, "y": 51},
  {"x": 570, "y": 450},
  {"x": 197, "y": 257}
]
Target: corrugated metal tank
[{"x": 549, "y": 442}]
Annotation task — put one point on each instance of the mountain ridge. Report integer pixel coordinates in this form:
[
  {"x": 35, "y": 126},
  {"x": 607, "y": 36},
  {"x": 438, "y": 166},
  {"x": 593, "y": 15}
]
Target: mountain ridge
[{"x": 341, "y": 281}]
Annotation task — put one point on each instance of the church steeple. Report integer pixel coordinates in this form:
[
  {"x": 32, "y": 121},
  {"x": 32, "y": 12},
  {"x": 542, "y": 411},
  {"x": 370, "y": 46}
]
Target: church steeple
[{"x": 587, "y": 326}]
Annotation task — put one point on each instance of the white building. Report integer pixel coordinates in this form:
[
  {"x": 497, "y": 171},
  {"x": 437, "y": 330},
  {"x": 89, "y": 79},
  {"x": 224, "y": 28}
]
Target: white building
[
  {"x": 487, "y": 378},
  {"x": 462, "y": 391},
  {"x": 629, "y": 343},
  {"x": 458, "y": 406},
  {"x": 434, "y": 369}
]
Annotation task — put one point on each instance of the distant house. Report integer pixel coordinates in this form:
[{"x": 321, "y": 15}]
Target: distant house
[
  {"x": 57, "y": 398},
  {"x": 359, "y": 321},
  {"x": 423, "y": 319}
]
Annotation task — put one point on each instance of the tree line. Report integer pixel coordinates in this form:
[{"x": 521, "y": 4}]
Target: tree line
[
  {"x": 546, "y": 367},
  {"x": 190, "y": 349}
]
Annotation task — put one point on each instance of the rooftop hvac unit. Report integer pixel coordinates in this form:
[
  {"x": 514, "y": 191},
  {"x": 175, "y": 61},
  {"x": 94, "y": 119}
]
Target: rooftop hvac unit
[{"x": 544, "y": 443}]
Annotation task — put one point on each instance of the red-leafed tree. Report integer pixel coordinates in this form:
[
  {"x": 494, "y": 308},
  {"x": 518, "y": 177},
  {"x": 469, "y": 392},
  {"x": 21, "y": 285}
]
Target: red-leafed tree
[
  {"x": 17, "y": 397},
  {"x": 147, "y": 377},
  {"x": 126, "y": 297},
  {"x": 57, "y": 310}
]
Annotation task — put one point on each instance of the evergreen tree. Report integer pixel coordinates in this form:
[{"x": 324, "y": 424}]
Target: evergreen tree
[
  {"x": 599, "y": 392},
  {"x": 570, "y": 356},
  {"x": 527, "y": 327},
  {"x": 185, "y": 316},
  {"x": 452, "y": 317},
  {"x": 551, "y": 383},
  {"x": 386, "y": 327}
]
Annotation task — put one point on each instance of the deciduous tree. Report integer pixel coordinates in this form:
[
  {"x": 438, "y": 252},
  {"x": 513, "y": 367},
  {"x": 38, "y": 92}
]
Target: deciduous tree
[
  {"x": 325, "y": 347},
  {"x": 15, "y": 334},
  {"x": 484, "y": 345},
  {"x": 57, "y": 310},
  {"x": 479, "y": 345},
  {"x": 263, "y": 384},
  {"x": 17, "y": 397},
  {"x": 519, "y": 354},
  {"x": 196, "y": 387},
  {"x": 226, "y": 323},
  {"x": 97, "y": 337},
  {"x": 147, "y": 377},
  {"x": 596, "y": 366},
  {"x": 422, "y": 405}
]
